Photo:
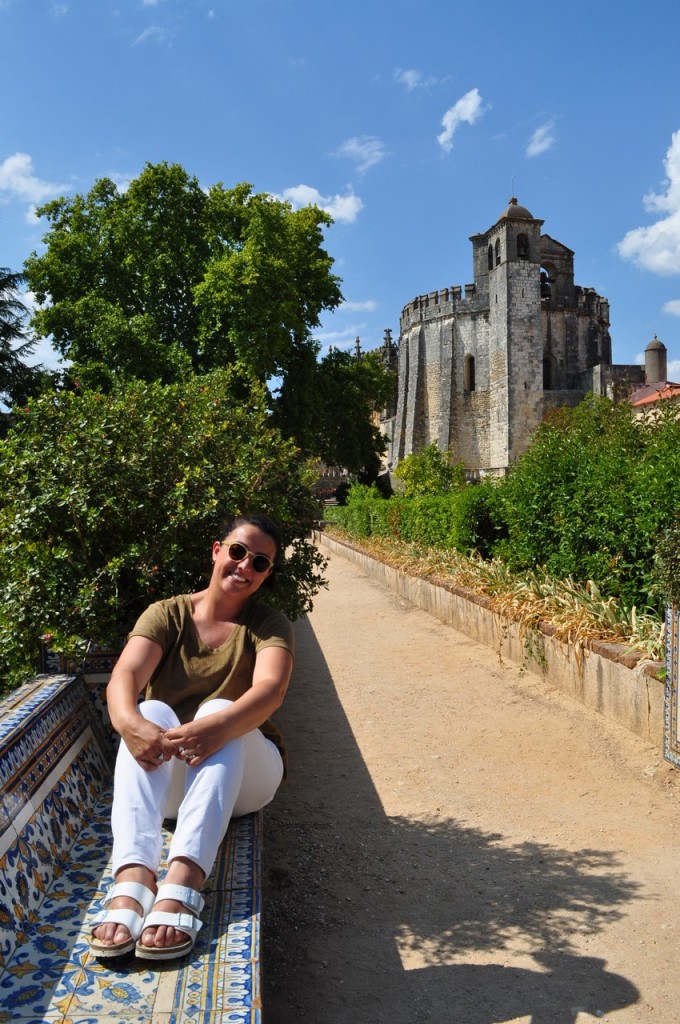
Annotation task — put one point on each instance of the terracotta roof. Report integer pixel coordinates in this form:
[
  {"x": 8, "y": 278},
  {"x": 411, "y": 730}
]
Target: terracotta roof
[{"x": 658, "y": 392}]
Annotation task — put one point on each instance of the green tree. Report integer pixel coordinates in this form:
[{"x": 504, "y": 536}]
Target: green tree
[
  {"x": 110, "y": 501},
  {"x": 166, "y": 278},
  {"x": 17, "y": 380},
  {"x": 331, "y": 408}
]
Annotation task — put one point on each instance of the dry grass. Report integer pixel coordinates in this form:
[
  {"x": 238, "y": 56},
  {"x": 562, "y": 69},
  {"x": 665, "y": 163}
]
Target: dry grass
[{"x": 578, "y": 614}]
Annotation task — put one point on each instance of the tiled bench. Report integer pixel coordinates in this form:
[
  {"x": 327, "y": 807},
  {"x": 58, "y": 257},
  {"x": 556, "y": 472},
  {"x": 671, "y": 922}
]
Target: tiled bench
[{"x": 56, "y": 759}]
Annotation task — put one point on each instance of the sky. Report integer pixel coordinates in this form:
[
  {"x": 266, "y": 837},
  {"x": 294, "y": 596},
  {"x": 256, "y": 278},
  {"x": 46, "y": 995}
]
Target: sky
[{"x": 412, "y": 123}]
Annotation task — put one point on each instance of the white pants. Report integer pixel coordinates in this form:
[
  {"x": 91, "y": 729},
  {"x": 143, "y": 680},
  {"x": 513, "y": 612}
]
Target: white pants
[{"x": 239, "y": 778}]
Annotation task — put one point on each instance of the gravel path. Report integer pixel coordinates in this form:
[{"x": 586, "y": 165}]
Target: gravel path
[{"x": 457, "y": 843}]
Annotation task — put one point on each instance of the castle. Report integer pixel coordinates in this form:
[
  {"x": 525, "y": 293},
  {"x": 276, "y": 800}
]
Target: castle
[{"x": 478, "y": 368}]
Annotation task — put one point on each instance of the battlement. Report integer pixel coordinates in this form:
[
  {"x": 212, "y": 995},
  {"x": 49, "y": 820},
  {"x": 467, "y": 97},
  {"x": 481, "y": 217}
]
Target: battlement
[{"x": 452, "y": 297}]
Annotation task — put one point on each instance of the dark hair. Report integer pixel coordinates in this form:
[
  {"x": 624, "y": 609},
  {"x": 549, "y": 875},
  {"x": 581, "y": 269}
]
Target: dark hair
[{"x": 261, "y": 522}]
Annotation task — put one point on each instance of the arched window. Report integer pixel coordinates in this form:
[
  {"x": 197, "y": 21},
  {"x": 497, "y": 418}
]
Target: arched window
[
  {"x": 490, "y": 257},
  {"x": 469, "y": 373},
  {"x": 522, "y": 247},
  {"x": 498, "y": 252}
]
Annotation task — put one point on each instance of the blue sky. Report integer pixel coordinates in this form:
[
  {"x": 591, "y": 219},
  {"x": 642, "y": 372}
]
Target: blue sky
[{"x": 412, "y": 123}]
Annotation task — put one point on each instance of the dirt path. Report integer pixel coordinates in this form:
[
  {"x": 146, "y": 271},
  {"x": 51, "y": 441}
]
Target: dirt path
[{"x": 457, "y": 844}]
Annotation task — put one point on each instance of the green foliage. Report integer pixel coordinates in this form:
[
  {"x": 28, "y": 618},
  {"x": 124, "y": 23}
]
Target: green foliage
[
  {"x": 166, "y": 278},
  {"x": 429, "y": 471},
  {"x": 17, "y": 380},
  {"x": 591, "y": 496},
  {"x": 667, "y": 564},
  {"x": 327, "y": 407},
  {"x": 464, "y": 519},
  {"x": 111, "y": 501}
]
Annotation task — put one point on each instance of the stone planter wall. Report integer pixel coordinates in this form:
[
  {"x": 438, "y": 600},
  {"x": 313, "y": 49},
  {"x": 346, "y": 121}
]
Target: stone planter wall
[{"x": 607, "y": 678}]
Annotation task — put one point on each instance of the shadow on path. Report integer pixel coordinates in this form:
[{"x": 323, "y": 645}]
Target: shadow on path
[{"x": 370, "y": 918}]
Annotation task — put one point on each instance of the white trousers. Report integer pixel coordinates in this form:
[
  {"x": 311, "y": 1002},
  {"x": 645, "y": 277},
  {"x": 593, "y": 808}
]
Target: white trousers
[{"x": 239, "y": 778}]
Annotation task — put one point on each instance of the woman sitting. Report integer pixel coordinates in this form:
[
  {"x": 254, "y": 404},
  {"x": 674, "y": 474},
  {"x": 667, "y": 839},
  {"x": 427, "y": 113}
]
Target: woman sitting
[{"x": 200, "y": 748}]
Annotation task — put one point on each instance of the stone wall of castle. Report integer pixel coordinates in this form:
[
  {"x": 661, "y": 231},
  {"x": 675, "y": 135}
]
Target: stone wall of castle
[{"x": 479, "y": 366}]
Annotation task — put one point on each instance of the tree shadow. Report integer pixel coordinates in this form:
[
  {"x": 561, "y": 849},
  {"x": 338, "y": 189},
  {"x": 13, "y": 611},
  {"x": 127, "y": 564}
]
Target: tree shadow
[{"x": 368, "y": 917}]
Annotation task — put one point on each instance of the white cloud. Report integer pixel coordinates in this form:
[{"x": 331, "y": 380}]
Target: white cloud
[
  {"x": 344, "y": 338},
  {"x": 542, "y": 139},
  {"x": 19, "y": 181},
  {"x": 159, "y": 35},
  {"x": 369, "y": 306},
  {"x": 341, "y": 208},
  {"x": 366, "y": 150},
  {"x": 673, "y": 369},
  {"x": 150, "y": 3},
  {"x": 412, "y": 79},
  {"x": 657, "y": 246},
  {"x": 672, "y": 307},
  {"x": 467, "y": 109}
]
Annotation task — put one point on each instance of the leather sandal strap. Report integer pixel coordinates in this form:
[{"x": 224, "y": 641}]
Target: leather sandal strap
[
  {"x": 181, "y": 922},
  {"x": 189, "y": 898},
  {"x": 135, "y": 891},
  {"x": 129, "y": 918}
]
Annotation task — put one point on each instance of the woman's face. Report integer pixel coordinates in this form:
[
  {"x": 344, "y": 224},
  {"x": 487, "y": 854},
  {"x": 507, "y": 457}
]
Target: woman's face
[{"x": 238, "y": 575}]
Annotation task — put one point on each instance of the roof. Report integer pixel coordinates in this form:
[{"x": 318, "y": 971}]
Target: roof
[
  {"x": 650, "y": 393},
  {"x": 516, "y": 212}
]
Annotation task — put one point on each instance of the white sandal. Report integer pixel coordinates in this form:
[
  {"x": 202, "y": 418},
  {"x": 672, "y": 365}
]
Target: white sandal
[
  {"x": 130, "y": 919},
  {"x": 193, "y": 902}
]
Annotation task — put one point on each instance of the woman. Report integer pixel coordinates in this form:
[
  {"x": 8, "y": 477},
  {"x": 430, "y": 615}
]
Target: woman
[{"x": 215, "y": 665}]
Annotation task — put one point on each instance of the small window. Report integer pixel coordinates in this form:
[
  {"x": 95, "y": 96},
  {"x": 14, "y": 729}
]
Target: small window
[
  {"x": 548, "y": 374},
  {"x": 490, "y": 257},
  {"x": 522, "y": 247},
  {"x": 469, "y": 373},
  {"x": 498, "y": 252}
]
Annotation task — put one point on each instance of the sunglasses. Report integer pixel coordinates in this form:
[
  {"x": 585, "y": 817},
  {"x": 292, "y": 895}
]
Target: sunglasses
[{"x": 238, "y": 552}]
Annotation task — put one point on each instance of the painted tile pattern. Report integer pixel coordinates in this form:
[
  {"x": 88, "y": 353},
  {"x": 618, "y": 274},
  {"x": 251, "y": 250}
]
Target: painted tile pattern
[{"x": 55, "y": 870}]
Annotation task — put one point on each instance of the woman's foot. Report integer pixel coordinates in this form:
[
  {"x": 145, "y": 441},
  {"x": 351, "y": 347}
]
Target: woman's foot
[
  {"x": 124, "y": 912},
  {"x": 181, "y": 872}
]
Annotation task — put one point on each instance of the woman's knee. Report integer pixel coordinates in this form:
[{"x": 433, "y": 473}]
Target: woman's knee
[
  {"x": 159, "y": 713},
  {"x": 212, "y": 706}
]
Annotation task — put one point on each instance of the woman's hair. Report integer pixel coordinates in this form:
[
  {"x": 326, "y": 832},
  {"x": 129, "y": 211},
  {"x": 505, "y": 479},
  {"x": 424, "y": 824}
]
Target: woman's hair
[{"x": 261, "y": 522}]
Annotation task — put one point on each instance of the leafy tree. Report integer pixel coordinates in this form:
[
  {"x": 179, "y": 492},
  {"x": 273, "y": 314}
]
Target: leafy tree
[
  {"x": 17, "y": 380},
  {"x": 110, "y": 501},
  {"x": 330, "y": 407},
  {"x": 166, "y": 278}
]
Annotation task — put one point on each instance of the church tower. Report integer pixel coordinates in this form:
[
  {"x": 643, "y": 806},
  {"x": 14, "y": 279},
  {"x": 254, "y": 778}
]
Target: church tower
[
  {"x": 507, "y": 267},
  {"x": 479, "y": 367}
]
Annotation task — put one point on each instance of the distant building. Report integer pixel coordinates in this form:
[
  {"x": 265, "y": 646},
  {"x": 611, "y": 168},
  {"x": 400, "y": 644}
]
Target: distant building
[
  {"x": 657, "y": 389},
  {"x": 478, "y": 367}
]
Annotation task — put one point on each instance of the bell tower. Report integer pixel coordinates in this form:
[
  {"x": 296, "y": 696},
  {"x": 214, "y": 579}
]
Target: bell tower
[{"x": 511, "y": 252}]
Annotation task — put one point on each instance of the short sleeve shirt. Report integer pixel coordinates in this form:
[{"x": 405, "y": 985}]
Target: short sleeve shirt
[{"x": 190, "y": 672}]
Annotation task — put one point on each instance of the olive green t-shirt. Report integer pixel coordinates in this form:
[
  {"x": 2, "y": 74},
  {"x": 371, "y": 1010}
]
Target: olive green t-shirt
[{"x": 191, "y": 673}]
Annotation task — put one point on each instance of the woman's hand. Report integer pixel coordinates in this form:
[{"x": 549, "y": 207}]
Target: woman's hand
[
  {"x": 197, "y": 740},
  {"x": 147, "y": 742}
]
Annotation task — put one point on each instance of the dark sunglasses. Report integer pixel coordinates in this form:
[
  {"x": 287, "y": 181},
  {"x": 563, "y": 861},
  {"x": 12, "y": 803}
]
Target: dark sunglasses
[{"x": 238, "y": 552}]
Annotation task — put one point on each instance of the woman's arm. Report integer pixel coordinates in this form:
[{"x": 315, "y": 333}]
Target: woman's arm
[
  {"x": 133, "y": 670},
  {"x": 203, "y": 737}
]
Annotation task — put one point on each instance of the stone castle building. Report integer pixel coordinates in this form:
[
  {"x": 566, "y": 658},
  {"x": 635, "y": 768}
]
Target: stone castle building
[{"x": 477, "y": 368}]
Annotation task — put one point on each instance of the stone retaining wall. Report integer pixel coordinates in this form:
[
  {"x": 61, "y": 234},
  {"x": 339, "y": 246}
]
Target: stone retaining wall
[{"x": 607, "y": 677}]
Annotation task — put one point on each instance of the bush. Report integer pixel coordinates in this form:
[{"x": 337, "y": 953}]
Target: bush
[
  {"x": 591, "y": 496},
  {"x": 466, "y": 519},
  {"x": 429, "y": 471},
  {"x": 109, "y": 502}
]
